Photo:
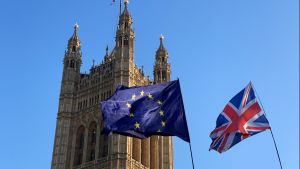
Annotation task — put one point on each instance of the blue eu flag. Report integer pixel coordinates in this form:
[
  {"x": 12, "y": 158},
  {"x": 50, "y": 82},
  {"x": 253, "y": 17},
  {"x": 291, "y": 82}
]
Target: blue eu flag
[{"x": 146, "y": 110}]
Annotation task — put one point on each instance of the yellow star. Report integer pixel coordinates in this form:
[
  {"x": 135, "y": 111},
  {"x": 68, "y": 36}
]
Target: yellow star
[
  {"x": 163, "y": 123},
  {"x": 161, "y": 113},
  {"x": 133, "y": 97},
  {"x": 150, "y": 96},
  {"x": 131, "y": 115},
  {"x": 142, "y": 93},
  {"x": 128, "y": 105},
  {"x": 159, "y": 102},
  {"x": 137, "y": 125}
]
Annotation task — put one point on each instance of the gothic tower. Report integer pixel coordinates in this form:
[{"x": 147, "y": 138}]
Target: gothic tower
[
  {"x": 70, "y": 79},
  {"x": 162, "y": 74},
  {"x": 78, "y": 140},
  {"x": 125, "y": 46},
  {"x": 162, "y": 71}
]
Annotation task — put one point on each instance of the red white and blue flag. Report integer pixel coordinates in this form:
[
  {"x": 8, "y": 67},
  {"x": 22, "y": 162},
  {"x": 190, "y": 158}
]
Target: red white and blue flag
[{"x": 241, "y": 118}]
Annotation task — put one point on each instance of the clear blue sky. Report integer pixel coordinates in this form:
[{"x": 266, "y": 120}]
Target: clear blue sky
[{"x": 215, "y": 48}]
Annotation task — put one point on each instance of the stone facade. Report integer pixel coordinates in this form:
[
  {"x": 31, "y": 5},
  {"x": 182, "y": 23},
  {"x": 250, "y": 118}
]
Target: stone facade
[{"x": 78, "y": 141}]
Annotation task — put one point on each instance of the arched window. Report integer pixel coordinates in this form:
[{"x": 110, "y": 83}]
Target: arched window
[
  {"x": 126, "y": 24},
  {"x": 163, "y": 60},
  {"x": 91, "y": 142},
  {"x": 120, "y": 41},
  {"x": 74, "y": 49},
  {"x": 79, "y": 145},
  {"x": 164, "y": 75},
  {"x": 103, "y": 146},
  {"x": 125, "y": 40},
  {"x": 72, "y": 64},
  {"x": 158, "y": 75}
]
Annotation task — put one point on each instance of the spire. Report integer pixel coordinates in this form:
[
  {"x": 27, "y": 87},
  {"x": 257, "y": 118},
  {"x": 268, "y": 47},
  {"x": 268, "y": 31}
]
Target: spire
[
  {"x": 72, "y": 59},
  {"x": 125, "y": 33},
  {"x": 162, "y": 71},
  {"x": 107, "y": 50},
  {"x": 74, "y": 41},
  {"x": 126, "y": 7},
  {"x": 106, "y": 54},
  {"x": 161, "y": 45},
  {"x": 76, "y": 26},
  {"x": 125, "y": 14}
]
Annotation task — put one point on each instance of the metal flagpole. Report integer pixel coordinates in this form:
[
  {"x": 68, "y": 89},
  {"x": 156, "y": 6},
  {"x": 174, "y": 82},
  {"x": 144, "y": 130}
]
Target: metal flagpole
[
  {"x": 191, "y": 152},
  {"x": 270, "y": 129},
  {"x": 276, "y": 148}
]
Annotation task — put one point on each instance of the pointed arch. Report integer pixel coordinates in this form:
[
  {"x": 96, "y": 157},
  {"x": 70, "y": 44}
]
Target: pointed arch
[
  {"x": 103, "y": 146},
  {"x": 92, "y": 138},
  {"x": 79, "y": 145},
  {"x": 72, "y": 64},
  {"x": 126, "y": 39}
]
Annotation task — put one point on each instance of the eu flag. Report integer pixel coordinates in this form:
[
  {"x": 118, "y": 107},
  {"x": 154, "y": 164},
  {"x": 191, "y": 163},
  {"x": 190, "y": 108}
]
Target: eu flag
[{"x": 143, "y": 111}]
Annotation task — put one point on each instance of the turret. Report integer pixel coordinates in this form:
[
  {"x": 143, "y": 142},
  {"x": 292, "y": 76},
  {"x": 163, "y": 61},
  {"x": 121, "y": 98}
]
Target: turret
[
  {"x": 71, "y": 70},
  {"x": 162, "y": 71},
  {"x": 125, "y": 33},
  {"x": 70, "y": 79},
  {"x": 124, "y": 50},
  {"x": 72, "y": 60}
]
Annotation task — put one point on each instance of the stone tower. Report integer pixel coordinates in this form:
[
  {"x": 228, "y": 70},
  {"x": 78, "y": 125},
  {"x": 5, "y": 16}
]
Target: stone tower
[
  {"x": 161, "y": 74},
  {"x": 78, "y": 140}
]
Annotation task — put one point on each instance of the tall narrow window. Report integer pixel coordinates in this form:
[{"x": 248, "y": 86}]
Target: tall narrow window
[
  {"x": 164, "y": 75},
  {"x": 120, "y": 41},
  {"x": 79, "y": 145},
  {"x": 72, "y": 64},
  {"x": 125, "y": 40},
  {"x": 91, "y": 142},
  {"x": 104, "y": 146}
]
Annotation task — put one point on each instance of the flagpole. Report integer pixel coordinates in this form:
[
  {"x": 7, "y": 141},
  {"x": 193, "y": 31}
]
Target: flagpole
[
  {"x": 191, "y": 152},
  {"x": 276, "y": 148},
  {"x": 191, "y": 155},
  {"x": 270, "y": 129}
]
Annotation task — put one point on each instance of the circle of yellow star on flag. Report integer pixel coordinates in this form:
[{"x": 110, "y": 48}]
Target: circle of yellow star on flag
[
  {"x": 150, "y": 96},
  {"x": 128, "y": 105},
  {"x": 159, "y": 102},
  {"x": 133, "y": 97},
  {"x": 161, "y": 113},
  {"x": 137, "y": 125}
]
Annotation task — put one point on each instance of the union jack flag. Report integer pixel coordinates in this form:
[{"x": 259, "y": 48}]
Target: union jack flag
[{"x": 241, "y": 118}]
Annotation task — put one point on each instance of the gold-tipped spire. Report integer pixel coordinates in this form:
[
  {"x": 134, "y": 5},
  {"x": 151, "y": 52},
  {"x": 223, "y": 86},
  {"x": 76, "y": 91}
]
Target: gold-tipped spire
[{"x": 74, "y": 41}]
